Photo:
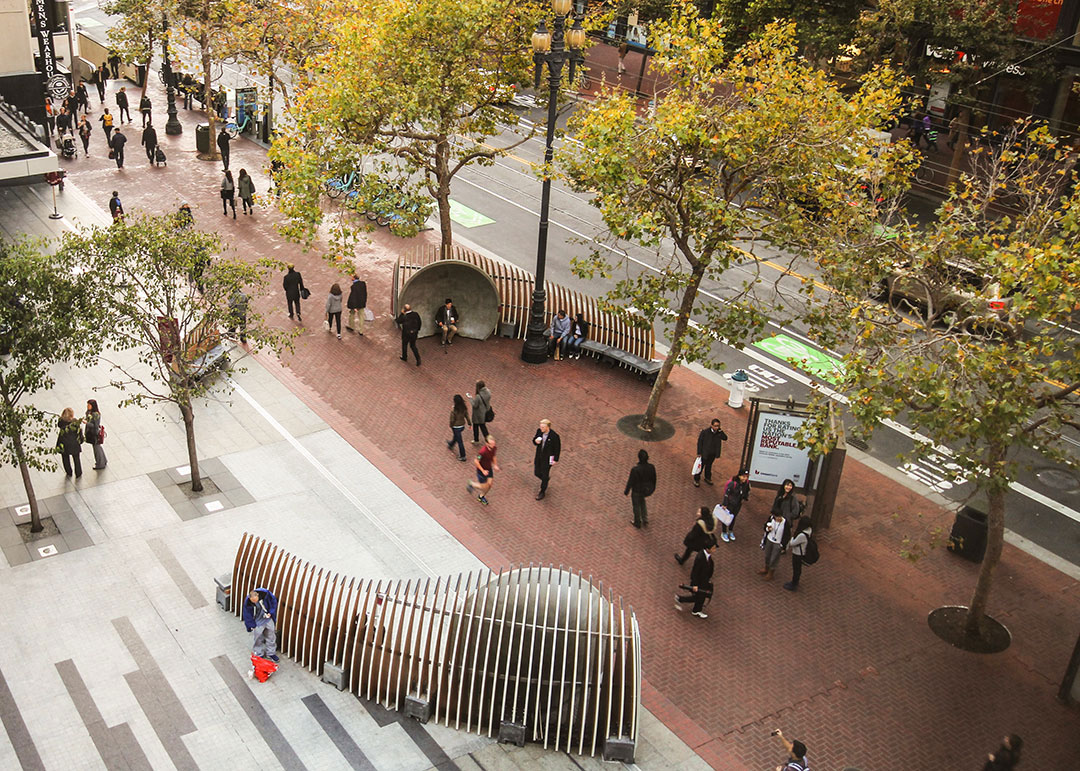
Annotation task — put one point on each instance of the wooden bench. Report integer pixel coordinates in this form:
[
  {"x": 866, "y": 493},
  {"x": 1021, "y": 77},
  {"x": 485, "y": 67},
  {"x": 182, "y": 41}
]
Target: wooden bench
[{"x": 647, "y": 369}]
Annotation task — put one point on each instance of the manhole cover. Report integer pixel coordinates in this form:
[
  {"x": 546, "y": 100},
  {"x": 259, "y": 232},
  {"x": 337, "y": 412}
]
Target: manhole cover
[{"x": 1059, "y": 479}]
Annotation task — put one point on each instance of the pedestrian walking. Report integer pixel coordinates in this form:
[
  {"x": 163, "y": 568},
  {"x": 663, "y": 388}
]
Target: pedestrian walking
[
  {"x": 71, "y": 104},
  {"x": 293, "y": 284},
  {"x": 357, "y": 304},
  {"x": 122, "y": 105},
  {"x": 223, "y": 140},
  {"x": 50, "y": 117},
  {"x": 245, "y": 188},
  {"x": 548, "y": 447},
  {"x": 228, "y": 194},
  {"x": 187, "y": 88},
  {"x": 238, "y": 309},
  {"x": 260, "y": 617},
  {"x": 63, "y": 124},
  {"x": 786, "y": 504},
  {"x": 82, "y": 98},
  {"x": 106, "y": 120},
  {"x": 459, "y": 418},
  {"x": 114, "y": 62},
  {"x": 1007, "y": 755},
  {"x": 446, "y": 319},
  {"x": 145, "y": 107},
  {"x": 773, "y": 542},
  {"x": 798, "y": 543},
  {"x": 184, "y": 217},
  {"x": 85, "y": 129},
  {"x": 699, "y": 535},
  {"x": 95, "y": 434},
  {"x": 624, "y": 47},
  {"x": 410, "y": 322},
  {"x": 116, "y": 209},
  {"x": 579, "y": 333},
  {"x": 116, "y": 144},
  {"x": 69, "y": 440},
  {"x": 709, "y": 444},
  {"x": 482, "y": 413},
  {"x": 101, "y": 80},
  {"x": 736, "y": 491},
  {"x": 954, "y": 132},
  {"x": 149, "y": 142},
  {"x": 639, "y": 486},
  {"x": 796, "y": 750},
  {"x": 556, "y": 334},
  {"x": 333, "y": 308},
  {"x": 485, "y": 470},
  {"x": 700, "y": 588}
]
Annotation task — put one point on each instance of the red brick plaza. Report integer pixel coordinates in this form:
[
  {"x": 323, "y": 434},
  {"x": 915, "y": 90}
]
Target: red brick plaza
[{"x": 847, "y": 663}]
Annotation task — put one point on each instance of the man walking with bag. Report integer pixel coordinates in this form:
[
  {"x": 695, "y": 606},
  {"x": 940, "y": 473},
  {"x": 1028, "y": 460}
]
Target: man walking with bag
[
  {"x": 260, "y": 613},
  {"x": 410, "y": 323},
  {"x": 357, "y": 305},
  {"x": 709, "y": 443},
  {"x": 293, "y": 284},
  {"x": 701, "y": 587},
  {"x": 548, "y": 446},
  {"x": 640, "y": 485}
]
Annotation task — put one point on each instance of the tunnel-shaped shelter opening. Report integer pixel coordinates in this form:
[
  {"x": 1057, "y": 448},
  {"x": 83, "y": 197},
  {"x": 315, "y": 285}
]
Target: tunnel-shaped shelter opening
[{"x": 472, "y": 290}]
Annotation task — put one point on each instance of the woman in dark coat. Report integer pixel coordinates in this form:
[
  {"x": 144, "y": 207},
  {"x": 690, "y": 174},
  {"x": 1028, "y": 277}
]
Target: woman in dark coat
[
  {"x": 1007, "y": 755},
  {"x": 786, "y": 504},
  {"x": 92, "y": 433},
  {"x": 481, "y": 403},
  {"x": 736, "y": 491},
  {"x": 70, "y": 441},
  {"x": 700, "y": 536},
  {"x": 459, "y": 418}
]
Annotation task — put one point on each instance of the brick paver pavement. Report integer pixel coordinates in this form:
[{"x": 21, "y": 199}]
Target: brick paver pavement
[{"x": 848, "y": 663}]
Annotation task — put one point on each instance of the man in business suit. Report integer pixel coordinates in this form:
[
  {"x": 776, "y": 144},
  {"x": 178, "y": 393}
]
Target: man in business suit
[
  {"x": 547, "y": 455},
  {"x": 709, "y": 443},
  {"x": 410, "y": 323},
  {"x": 446, "y": 319},
  {"x": 701, "y": 585}
]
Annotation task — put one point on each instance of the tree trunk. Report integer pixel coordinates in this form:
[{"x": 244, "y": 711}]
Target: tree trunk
[
  {"x": 959, "y": 149},
  {"x": 442, "y": 178},
  {"x": 149, "y": 61},
  {"x": 268, "y": 124},
  {"x": 208, "y": 105},
  {"x": 995, "y": 538},
  {"x": 685, "y": 307},
  {"x": 28, "y": 484},
  {"x": 193, "y": 456}
]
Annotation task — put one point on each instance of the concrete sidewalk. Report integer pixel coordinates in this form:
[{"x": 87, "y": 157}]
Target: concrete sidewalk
[{"x": 847, "y": 663}]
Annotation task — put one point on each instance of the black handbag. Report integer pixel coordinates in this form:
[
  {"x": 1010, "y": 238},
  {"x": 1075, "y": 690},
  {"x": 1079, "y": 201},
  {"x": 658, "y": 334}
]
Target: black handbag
[{"x": 305, "y": 293}]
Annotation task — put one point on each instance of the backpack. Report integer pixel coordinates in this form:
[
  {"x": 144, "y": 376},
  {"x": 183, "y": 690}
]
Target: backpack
[
  {"x": 811, "y": 554},
  {"x": 797, "y": 765}
]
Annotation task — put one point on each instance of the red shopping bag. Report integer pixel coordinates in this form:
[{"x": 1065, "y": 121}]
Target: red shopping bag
[{"x": 262, "y": 668}]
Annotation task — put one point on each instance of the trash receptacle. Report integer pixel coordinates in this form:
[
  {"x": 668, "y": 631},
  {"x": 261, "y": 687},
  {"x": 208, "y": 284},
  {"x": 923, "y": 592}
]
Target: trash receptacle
[
  {"x": 202, "y": 137},
  {"x": 968, "y": 536},
  {"x": 738, "y": 389}
]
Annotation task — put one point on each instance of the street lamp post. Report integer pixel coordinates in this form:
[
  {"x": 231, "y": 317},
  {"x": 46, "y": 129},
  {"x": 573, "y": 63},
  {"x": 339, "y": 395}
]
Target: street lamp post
[
  {"x": 173, "y": 126},
  {"x": 562, "y": 46}
]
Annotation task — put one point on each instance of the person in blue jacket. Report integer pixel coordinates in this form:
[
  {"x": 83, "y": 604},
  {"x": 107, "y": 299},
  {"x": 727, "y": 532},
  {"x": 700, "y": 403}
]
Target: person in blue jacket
[{"x": 260, "y": 613}]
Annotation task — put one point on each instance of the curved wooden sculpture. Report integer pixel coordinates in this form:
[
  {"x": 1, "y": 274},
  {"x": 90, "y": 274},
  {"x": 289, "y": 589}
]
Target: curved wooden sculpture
[{"x": 534, "y": 653}]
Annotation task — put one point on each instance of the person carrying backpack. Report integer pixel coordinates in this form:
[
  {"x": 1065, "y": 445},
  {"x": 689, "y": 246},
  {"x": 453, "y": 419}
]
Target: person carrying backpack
[
  {"x": 796, "y": 760},
  {"x": 736, "y": 491},
  {"x": 799, "y": 545}
]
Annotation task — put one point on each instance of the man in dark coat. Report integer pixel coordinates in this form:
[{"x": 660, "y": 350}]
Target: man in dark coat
[
  {"x": 260, "y": 615},
  {"x": 709, "y": 443},
  {"x": 547, "y": 455},
  {"x": 446, "y": 319},
  {"x": 410, "y": 323},
  {"x": 223, "y": 140},
  {"x": 114, "y": 62},
  {"x": 356, "y": 304},
  {"x": 116, "y": 209},
  {"x": 293, "y": 284},
  {"x": 116, "y": 144},
  {"x": 701, "y": 586},
  {"x": 122, "y": 104},
  {"x": 101, "y": 80},
  {"x": 640, "y": 485},
  {"x": 149, "y": 141}
]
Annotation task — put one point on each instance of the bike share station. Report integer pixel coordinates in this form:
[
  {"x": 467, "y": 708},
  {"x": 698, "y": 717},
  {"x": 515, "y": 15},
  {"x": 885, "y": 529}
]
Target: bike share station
[
  {"x": 771, "y": 455},
  {"x": 248, "y": 116}
]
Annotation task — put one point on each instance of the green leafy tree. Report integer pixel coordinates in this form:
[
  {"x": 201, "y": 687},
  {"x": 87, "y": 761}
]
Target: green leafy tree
[
  {"x": 49, "y": 314},
  {"x": 172, "y": 301},
  {"x": 993, "y": 368},
  {"x": 744, "y": 146},
  {"x": 823, "y": 29},
  {"x": 214, "y": 27},
  {"x": 417, "y": 89},
  {"x": 138, "y": 30}
]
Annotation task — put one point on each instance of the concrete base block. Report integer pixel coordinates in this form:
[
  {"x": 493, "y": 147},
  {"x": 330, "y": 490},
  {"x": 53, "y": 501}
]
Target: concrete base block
[
  {"x": 511, "y": 733},
  {"x": 334, "y": 675},
  {"x": 418, "y": 707},
  {"x": 224, "y": 591},
  {"x": 619, "y": 748}
]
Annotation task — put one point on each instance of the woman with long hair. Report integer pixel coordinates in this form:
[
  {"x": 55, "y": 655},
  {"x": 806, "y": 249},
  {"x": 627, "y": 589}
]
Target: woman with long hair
[
  {"x": 702, "y": 532},
  {"x": 92, "y": 433},
  {"x": 228, "y": 194},
  {"x": 69, "y": 441},
  {"x": 798, "y": 544},
  {"x": 333, "y": 309},
  {"x": 459, "y": 418}
]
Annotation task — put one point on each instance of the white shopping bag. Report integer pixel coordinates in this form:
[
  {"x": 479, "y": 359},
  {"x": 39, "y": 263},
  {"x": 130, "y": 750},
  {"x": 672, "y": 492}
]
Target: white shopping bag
[
  {"x": 697, "y": 466},
  {"x": 368, "y": 315},
  {"x": 721, "y": 513}
]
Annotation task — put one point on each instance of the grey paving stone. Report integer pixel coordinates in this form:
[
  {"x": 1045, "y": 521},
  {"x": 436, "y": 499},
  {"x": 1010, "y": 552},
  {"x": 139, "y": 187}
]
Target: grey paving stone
[
  {"x": 161, "y": 479},
  {"x": 77, "y": 539},
  {"x": 210, "y": 466},
  {"x": 173, "y": 493},
  {"x": 239, "y": 497},
  {"x": 226, "y": 481},
  {"x": 57, "y": 542},
  {"x": 67, "y": 520},
  {"x": 9, "y": 535},
  {"x": 57, "y": 504},
  {"x": 16, "y": 555},
  {"x": 188, "y": 511}
]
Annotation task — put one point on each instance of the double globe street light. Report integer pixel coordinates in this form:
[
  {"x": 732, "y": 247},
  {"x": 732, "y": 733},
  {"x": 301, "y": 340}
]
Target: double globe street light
[{"x": 556, "y": 48}]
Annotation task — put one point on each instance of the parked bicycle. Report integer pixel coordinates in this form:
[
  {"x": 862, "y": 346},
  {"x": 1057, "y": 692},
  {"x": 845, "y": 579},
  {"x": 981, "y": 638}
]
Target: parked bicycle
[
  {"x": 236, "y": 129},
  {"x": 336, "y": 186}
]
